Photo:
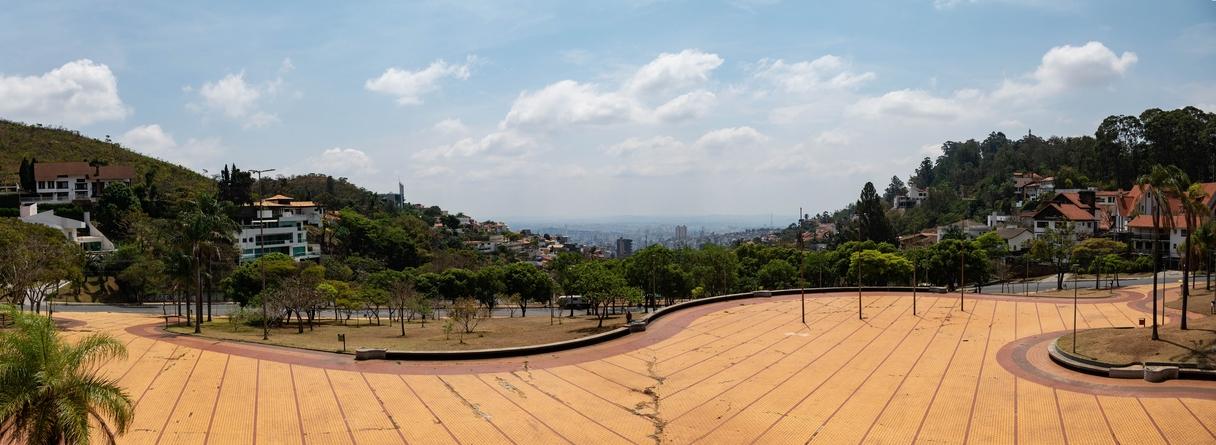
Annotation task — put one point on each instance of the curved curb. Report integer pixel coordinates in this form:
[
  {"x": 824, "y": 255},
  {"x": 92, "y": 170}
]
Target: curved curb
[
  {"x": 519, "y": 351},
  {"x": 1150, "y": 371},
  {"x": 1028, "y": 358}
]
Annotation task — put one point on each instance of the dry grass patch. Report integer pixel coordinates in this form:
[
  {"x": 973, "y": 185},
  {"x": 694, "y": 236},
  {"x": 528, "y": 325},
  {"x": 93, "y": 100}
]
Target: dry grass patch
[
  {"x": 498, "y": 332},
  {"x": 1067, "y": 293},
  {"x": 1196, "y": 345},
  {"x": 1200, "y": 301}
]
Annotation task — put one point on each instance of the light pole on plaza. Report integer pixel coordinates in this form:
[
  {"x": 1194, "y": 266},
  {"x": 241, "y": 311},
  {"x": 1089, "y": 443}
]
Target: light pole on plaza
[
  {"x": 859, "y": 317},
  {"x": 1074, "y": 309},
  {"x": 962, "y": 278},
  {"x": 261, "y": 250},
  {"x": 914, "y": 283}
]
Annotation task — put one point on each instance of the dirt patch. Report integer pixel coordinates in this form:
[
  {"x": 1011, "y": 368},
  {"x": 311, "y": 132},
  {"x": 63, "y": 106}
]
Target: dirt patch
[
  {"x": 498, "y": 332},
  {"x": 1196, "y": 345}
]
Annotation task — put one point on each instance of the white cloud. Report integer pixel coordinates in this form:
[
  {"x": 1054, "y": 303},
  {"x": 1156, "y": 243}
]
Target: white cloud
[
  {"x": 735, "y": 137},
  {"x": 343, "y": 161},
  {"x": 686, "y": 106},
  {"x": 154, "y": 141},
  {"x": 568, "y": 102},
  {"x": 497, "y": 144},
  {"x": 833, "y": 137},
  {"x": 240, "y": 100},
  {"x": 827, "y": 72},
  {"x": 673, "y": 71},
  {"x": 665, "y": 155},
  {"x": 409, "y": 86},
  {"x": 1067, "y": 67},
  {"x": 451, "y": 126},
  {"x": 78, "y": 93},
  {"x": 914, "y": 104}
]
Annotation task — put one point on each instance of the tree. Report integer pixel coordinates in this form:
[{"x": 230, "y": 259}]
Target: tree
[
  {"x": 526, "y": 283},
  {"x": 464, "y": 313},
  {"x": 207, "y": 233},
  {"x": 486, "y": 285},
  {"x": 941, "y": 263},
  {"x": 1055, "y": 247},
  {"x": 896, "y": 188},
  {"x": 118, "y": 209},
  {"x": 880, "y": 269},
  {"x": 1153, "y": 185},
  {"x": 601, "y": 286},
  {"x": 923, "y": 178},
  {"x": 872, "y": 223},
  {"x": 1092, "y": 253},
  {"x": 715, "y": 268},
  {"x": 777, "y": 274},
  {"x": 38, "y": 260},
  {"x": 235, "y": 186},
  {"x": 50, "y": 389},
  {"x": 1194, "y": 210}
]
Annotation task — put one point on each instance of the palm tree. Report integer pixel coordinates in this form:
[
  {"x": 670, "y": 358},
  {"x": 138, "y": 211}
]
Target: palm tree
[
  {"x": 50, "y": 392},
  {"x": 1154, "y": 186},
  {"x": 1192, "y": 199},
  {"x": 207, "y": 231}
]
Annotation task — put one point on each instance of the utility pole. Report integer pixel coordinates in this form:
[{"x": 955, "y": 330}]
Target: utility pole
[
  {"x": 801, "y": 268},
  {"x": 859, "y": 317},
  {"x": 261, "y": 250},
  {"x": 1074, "y": 311},
  {"x": 962, "y": 278},
  {"x": 914, "y": 282}
]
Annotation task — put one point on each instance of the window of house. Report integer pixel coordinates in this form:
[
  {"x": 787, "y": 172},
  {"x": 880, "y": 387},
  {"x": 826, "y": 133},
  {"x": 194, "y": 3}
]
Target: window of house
[{"x": 1041, "y": 224}]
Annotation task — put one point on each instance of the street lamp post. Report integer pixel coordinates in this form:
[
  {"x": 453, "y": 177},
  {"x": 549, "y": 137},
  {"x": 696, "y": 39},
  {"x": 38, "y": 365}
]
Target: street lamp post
[
  {"x": 914, "y": 283},
  {"x": 859, "y": 317},
  {"x": 1074, "y": 311},
  {"x": 962, "y": 278},
  {"x": 261, "y": 250}
]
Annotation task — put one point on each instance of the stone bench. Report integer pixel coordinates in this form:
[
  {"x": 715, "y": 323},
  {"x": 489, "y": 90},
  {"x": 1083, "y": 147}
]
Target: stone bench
[
  {"x": 370, "y": 353},
  {"x": 1160, "y": 373}
]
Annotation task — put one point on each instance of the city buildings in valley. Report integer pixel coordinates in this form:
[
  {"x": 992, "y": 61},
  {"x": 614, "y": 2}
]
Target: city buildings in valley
[{"x": 624, "y": 247}]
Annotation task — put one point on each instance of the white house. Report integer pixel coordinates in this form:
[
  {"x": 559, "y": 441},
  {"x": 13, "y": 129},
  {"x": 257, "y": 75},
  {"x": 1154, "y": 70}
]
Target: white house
[
  {"x": 279, "y": 224},
  {"x": 1070, "y": 209},
  {"x": 83, "y": 233},
  {"x": 913, "y": 198},
  {"x": 1016, "y": 239},
  {"x": 62, "y": 182}
]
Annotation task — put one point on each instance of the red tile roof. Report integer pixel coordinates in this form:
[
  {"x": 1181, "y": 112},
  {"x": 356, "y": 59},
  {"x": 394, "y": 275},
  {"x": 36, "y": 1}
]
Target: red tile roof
[{"x": 49, "y": 171}]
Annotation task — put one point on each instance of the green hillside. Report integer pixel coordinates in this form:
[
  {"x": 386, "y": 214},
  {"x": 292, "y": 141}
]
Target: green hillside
[{"x": 46, "y": 144}]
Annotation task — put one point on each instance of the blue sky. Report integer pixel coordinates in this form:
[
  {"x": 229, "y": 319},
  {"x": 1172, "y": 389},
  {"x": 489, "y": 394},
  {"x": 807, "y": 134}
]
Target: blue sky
[{"x": 562, "y": 109}]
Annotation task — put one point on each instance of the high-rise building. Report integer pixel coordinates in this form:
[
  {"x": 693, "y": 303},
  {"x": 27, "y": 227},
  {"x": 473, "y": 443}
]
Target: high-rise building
[
  {"x": 624, "y": 247},
  {"x": 681, "y": 232}
]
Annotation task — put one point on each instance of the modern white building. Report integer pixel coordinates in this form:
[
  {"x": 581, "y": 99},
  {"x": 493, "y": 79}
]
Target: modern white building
[
  {"x": 83, "y": 233},
  {"x": 64, "y": 182},
  {"x": 279, "y": 224}
]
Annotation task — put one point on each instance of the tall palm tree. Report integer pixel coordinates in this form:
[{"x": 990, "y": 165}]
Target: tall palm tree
[
  {"x": 1154, "y": 185},
  {"x": 1193, "y": 207},
  {"x": 50, "y": 392},
  {"x": 207, "y": 231}
]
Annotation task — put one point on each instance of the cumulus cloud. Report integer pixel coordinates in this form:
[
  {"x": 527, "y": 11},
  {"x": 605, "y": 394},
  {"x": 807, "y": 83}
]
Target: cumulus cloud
[
  {"x": 1066, "y": 67},
  {"x": 237, "y": 99},
  {"x": 665, "y": 155},
  {"x": 827, "y": 72},
  {"x": 451, "y": 126},
  {"x": 154, "y": 141},
  {"x": 914, "y": 104},
  {"x": 409, "y": 86},
  {"x": 343, "y": 161},
  {"x": 673, "y": 71},
  {"x": 497, "y": 144},
  {"x": 1061, "y": 70},
  {"x": 80, "y": 92},
  {"x": 645, "y": 97}
]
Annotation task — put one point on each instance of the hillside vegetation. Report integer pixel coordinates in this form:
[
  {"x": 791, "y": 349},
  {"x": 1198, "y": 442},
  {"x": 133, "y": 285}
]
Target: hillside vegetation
[{"x": 46, "y": 144}]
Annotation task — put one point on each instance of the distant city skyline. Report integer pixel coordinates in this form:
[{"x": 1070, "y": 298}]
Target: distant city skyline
[{"x": 558, "y": 111}]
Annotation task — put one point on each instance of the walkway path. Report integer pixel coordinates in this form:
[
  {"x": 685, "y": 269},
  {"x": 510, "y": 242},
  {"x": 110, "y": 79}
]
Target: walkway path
[{"x": 736, "y": 372}]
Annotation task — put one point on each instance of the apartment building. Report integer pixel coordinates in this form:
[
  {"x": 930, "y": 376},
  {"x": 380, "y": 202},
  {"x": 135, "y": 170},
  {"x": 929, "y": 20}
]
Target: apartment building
[{"x": 64, "y": 182}]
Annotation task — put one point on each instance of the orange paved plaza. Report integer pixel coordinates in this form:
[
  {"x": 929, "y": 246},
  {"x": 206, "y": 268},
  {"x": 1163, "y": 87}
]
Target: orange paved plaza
[{"x": 738, "y": 372}]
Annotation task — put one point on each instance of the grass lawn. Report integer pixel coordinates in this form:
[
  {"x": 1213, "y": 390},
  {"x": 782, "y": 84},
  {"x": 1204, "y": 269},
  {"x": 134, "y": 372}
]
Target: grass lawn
[
  {"x": 1126, "y": 346},
  {"x": 498, "y": 332}
]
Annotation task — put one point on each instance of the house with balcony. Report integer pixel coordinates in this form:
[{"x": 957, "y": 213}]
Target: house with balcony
[
  {"x": 1171, "y": 231},
  {"x": 1028, "y": 186},
  {"x": 1077, "y": 210},
  {"x": 913, "y": 198},
  {"x": 65, "y": 182},
  {"x": 279, "y": 224}
]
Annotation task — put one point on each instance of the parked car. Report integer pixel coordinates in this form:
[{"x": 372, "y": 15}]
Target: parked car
[{"x": 572, "y": 302}]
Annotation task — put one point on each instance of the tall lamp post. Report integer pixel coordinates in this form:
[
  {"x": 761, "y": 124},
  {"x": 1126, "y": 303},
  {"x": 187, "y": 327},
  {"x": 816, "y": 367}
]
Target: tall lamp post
[
  {"x": 962, "y": 279},
  {"x": 914, "y": 283},
  {"x": 261, "y": 250},
  {"x": 859, "y": 317},
  {"x": 1074, "y": 310}
]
